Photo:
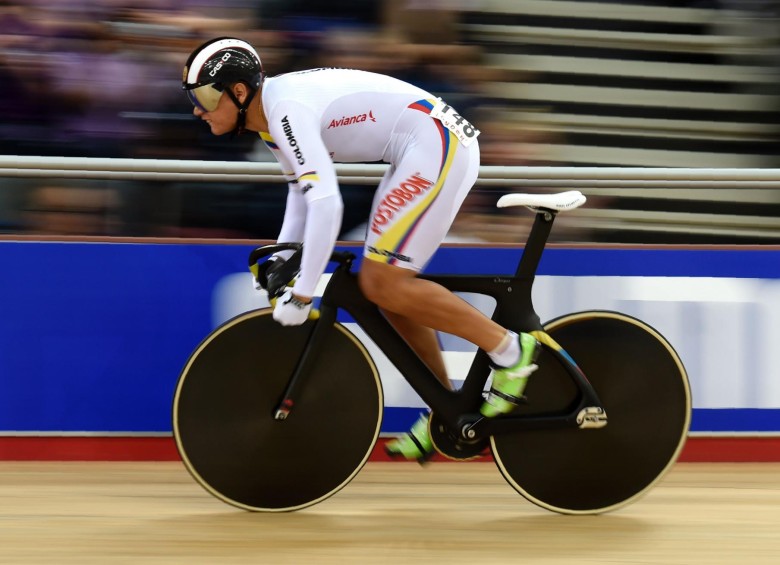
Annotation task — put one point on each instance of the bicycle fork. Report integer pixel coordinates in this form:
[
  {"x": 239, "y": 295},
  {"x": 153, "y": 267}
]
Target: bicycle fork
[{"x": 306, "y": 362}]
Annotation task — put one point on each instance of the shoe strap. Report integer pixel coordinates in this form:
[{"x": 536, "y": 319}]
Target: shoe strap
[
  {"x": 417, "y": 443},
  {"x": 508, "y": 397}
]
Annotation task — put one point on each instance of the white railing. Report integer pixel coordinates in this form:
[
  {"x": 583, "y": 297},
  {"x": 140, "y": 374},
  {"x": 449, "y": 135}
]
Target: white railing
[
  {"x": 228, "y": 171},
  {"x": 756, "y": 187}
]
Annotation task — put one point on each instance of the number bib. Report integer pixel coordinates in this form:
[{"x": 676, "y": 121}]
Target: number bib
[{"x": 463, "y": 130}]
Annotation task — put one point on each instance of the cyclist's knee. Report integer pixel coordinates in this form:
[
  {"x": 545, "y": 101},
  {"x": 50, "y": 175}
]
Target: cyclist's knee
[
  {"x": 371, "y": 281},
  {"x": 380, "y": 283}
]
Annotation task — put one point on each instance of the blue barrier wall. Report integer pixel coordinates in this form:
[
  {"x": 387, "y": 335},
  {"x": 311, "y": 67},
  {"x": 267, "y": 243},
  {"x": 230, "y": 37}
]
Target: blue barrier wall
[{"x": 93, "y": 335}]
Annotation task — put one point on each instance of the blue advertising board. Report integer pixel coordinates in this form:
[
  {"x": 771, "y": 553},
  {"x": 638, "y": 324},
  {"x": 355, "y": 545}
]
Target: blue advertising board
[{"x": 93, "y": 335}]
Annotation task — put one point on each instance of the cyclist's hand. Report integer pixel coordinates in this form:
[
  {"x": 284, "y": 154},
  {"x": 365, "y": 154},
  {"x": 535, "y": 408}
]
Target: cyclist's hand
[{"x": 291, "y": 311}]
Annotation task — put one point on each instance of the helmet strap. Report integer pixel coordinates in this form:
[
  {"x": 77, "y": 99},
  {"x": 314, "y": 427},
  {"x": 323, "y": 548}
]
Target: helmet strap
[{"x": 242, "y": 109}]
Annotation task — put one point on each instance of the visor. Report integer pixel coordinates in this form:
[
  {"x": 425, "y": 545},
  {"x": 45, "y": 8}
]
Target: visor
[{"x": 206, "y": 97}]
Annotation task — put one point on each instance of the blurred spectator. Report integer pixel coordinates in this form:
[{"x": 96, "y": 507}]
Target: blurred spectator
[
  {"x": 59, "y": 208},
  {"x": 307, "y": 24},
  {"x": 95, "y": 82},
  {"x": 506, "y": 143},
  {"x": 422, "y": 39},
  {"x": 102, "y": 78}
]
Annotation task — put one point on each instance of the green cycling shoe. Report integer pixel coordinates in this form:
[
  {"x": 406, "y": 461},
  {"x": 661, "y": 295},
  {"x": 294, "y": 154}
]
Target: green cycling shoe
[
  {"x": 414, "y": 445},
  {"x": 508, "y": 385}
]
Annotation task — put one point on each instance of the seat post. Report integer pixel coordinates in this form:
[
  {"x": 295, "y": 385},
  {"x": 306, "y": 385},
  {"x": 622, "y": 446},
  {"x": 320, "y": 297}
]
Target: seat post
[{"x": 537, "y": 240}]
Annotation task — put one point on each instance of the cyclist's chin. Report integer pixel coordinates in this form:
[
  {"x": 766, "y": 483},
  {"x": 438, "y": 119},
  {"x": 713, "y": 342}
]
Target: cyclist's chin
[{"x": 218, "y": 128}]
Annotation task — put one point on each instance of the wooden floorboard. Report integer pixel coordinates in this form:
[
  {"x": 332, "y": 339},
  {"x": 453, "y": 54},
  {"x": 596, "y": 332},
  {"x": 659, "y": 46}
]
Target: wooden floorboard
[{"x": 68, "y": 513}]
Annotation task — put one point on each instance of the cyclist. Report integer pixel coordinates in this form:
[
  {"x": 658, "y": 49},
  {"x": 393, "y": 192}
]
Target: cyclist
[{"x": 311, "y": 118}]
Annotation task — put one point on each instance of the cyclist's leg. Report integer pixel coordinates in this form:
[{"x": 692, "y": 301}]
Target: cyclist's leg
[
  {"x": 413, "y": 212},
  {"x": 429, "y": 304},
  {"x": 415, "y": 206},
  {"x": 423, "y": 341}
]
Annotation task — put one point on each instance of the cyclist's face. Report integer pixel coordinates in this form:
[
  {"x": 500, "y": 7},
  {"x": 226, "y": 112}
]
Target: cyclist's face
[
  {"x": 206, "y": 97},
  {"x": 222, "y": 115}
]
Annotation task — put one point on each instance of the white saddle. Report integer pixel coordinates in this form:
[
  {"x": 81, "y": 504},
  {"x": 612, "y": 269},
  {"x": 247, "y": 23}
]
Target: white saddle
[{"x": 560, "y": 201}]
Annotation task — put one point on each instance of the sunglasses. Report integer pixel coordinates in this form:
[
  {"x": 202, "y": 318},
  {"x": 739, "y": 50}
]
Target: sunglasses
[{"x": 206, "y": 97}]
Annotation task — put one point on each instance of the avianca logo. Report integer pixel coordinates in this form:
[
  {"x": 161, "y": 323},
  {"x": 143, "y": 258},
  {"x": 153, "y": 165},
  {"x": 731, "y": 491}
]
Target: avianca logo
[{"x": 356, "y": 119}]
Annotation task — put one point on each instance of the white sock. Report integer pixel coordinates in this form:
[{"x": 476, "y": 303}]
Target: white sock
[{"x": 508, "y": 351}]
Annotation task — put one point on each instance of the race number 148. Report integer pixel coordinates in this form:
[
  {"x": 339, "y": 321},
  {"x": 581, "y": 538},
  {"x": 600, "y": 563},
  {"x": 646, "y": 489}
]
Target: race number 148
[{"x": 454, "y": 122}]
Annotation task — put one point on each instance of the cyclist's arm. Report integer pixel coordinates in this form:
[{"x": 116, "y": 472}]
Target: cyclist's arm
[
  {"x": 296, "y": 132},
  {"x": 295, "y": 208}
]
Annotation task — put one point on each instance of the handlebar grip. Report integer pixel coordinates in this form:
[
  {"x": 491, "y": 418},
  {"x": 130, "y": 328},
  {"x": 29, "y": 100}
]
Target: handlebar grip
[
  {"x": 281, "y": 274},
  {"x": 267, "y": 250},
  {"x": 283, "y": 271},
  {"x": 342, "y": 257}
]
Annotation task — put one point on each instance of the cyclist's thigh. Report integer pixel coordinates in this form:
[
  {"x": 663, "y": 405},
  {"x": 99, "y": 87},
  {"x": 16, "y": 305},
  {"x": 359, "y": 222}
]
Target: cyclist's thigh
[{"x": 418, "y": 199}]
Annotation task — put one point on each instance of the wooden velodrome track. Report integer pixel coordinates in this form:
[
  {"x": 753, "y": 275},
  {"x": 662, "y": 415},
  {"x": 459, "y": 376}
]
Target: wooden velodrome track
[{"x": 117, "y": 512}]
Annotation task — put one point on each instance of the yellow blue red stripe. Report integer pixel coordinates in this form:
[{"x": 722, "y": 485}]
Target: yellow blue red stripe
[
  {"x": 422, "y": 105},
  {"x": 446, "y": 161},
  {"x": 396, "y": 238},
  {"x": 546, "y": 339},
  {"x": 311, "y": 175},
  {"x": 269, "y": 141}
]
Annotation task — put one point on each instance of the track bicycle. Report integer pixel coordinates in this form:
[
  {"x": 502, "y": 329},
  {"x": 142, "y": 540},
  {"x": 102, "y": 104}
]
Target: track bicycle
[{"x": 273, "y": 418}]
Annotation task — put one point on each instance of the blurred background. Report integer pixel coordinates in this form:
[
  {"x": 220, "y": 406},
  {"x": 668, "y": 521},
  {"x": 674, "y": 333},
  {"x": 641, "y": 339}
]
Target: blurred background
[{"x": 632, "y": 83}]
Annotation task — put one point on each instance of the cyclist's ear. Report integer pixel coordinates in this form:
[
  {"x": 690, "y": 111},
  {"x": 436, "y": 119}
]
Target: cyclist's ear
[{"x": 240, "y": 91}]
